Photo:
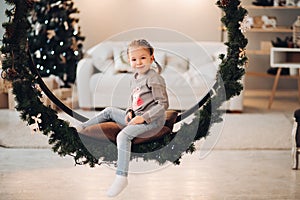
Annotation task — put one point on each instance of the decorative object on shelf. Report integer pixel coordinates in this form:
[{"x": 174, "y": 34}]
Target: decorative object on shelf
[
  {"x": 290, "y": 3},
  {"x": 287, "y": 42},
  {"x": 264, "y": 22},
  {"x": 276, "y": 3},
  {"x": 296, "y": 32},
  {"x": 263, "y": 3},
  {"x": 268, "y": 22},
  {"x": 282, "y": 2}
]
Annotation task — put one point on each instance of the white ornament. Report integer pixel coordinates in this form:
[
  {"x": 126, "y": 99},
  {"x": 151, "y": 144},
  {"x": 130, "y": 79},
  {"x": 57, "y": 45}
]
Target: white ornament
[
  {"x": 66, "y": 25},
  {"x": 245, "y": 24},
  {"x": 35, "y": 127},
  {"x": 37, "y": 54},
  {"x": 37, "y": 28}
]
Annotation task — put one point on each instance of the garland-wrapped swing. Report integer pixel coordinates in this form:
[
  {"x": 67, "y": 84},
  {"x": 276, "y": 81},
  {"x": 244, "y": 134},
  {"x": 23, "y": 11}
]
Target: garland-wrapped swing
[{"x": 19, "y": 69}]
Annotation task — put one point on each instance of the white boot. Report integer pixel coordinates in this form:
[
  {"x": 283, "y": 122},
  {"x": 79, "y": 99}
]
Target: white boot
[{"x": 117, "y": 186}]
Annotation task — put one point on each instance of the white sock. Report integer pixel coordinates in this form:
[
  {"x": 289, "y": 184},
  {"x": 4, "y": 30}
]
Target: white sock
[{"x": 117, "y": 186}]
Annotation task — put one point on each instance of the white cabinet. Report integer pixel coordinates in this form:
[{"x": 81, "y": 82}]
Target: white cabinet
[{"x": 284, "y": 58}]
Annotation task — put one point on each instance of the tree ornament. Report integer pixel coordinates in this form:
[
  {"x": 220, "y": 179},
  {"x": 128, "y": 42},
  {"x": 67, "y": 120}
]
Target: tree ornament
[
  {"x": 224, "y": 3},
  {"x": 74, "y": 45},
  {"x": 37, "y": 28},
  {"x": 242, "y": 53},
  {"x": 62, "y": 59},
  {"x": 50, "y": 34}
]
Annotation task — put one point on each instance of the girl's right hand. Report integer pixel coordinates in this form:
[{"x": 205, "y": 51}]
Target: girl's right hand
[{"x": 128, "y": 117}]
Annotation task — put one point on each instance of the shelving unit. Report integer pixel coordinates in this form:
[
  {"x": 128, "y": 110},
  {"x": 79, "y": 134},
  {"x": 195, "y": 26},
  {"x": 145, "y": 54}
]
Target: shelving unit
[
  {"x": 259, "y": 55},
  {"x": 249, "y": 7},
  {"x": 278, "y": 29},
  {"x": 283, "y": 58}
]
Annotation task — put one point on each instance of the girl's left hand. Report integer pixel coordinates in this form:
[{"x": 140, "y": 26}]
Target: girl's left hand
[{"x": 136, "y": 120}]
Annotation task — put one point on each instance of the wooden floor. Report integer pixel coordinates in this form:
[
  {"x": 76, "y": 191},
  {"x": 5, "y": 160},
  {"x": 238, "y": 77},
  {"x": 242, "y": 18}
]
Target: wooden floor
[
  {"x": 28, "y": 173},
  {"x": 42, "y": 175}
]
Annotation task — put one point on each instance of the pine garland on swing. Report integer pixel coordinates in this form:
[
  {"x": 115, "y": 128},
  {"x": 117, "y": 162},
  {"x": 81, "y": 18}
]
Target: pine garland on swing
[{"x": 19, "y": 68}]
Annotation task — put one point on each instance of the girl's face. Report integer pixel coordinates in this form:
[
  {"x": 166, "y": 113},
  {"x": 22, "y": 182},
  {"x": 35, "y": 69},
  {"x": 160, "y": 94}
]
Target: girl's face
[{"x": 140, "y": 59}]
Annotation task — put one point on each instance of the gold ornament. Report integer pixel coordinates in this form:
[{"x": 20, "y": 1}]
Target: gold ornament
[
  {"x": 242, "y": 53},
  {"x": 50, "y": 34}
]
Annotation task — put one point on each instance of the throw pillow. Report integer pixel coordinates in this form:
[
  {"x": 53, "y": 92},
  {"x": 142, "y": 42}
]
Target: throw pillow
[
  {"x": 178, "y": 63},
  {"x": 121, "y": 60},
  {"x": 103, "y": 65}
]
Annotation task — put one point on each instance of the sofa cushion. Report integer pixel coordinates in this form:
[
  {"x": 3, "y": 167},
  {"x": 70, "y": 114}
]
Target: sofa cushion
[
  {"x": 121, "y": 60},
  {"x": 180, "y": 64},
  {"x": 101, "y": 51},
  {"x": 103, "y": 65}
]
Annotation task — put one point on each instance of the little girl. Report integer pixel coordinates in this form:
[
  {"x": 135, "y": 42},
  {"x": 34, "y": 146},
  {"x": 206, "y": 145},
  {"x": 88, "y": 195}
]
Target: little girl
[{"x": 145, "y": 113}]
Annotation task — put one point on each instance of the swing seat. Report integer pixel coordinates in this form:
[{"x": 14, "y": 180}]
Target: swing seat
[{"x": 110, "y": 130}]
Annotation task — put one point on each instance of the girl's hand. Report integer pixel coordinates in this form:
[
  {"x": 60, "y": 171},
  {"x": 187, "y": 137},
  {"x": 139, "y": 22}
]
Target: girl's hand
[
  {"x": 136, "y": 120},
  {"x": 128, "y": 117}
]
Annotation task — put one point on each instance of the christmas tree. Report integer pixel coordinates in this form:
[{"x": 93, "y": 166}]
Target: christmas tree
[{"x": 55, "y": 40}]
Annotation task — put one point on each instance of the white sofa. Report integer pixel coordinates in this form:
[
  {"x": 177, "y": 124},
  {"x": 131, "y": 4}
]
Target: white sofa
[{"x": 189, "y": 69}]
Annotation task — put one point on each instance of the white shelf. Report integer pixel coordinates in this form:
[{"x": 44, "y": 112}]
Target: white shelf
[
  {"x": 278, "y": 29},
  {"x": 253, "y": 7}
]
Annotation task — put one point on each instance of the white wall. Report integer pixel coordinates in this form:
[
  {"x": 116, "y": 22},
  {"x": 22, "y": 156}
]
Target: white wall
[{"x": 100, "y": 20}]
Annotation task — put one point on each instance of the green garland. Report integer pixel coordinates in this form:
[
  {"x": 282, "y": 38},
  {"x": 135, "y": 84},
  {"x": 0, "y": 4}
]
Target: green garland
[{"x": 65, "y": 139}]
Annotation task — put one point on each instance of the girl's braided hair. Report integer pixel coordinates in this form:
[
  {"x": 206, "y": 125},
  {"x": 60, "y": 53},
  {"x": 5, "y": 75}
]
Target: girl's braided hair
[{"x": 145, "y": 44}]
